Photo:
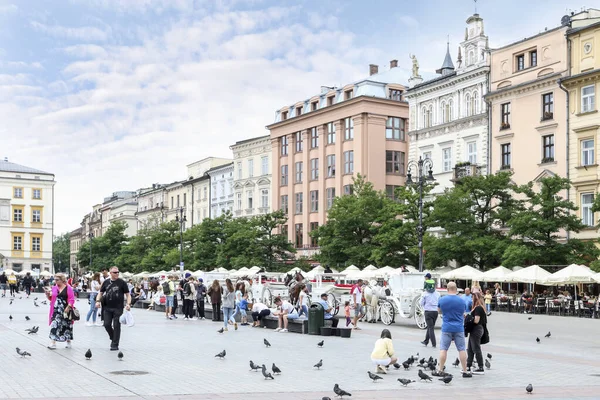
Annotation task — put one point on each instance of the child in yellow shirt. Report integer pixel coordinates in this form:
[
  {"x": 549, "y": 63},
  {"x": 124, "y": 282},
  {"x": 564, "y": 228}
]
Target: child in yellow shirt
[{"x": 488, "y": 301}]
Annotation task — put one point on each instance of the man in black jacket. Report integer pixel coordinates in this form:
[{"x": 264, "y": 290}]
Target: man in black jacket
[
  {"x": 28, "y": 282},
  {"x": 200, "y": 296},
  {"x": 112, "y": 296}
]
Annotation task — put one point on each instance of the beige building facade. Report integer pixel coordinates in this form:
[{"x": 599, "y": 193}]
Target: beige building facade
[{"x": 320, "y": 144}]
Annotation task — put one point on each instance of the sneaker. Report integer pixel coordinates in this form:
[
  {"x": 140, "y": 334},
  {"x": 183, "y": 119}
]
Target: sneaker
[
  {"x": 235, "y": 325},
  {"x": 52, "y": 347},
  {"x": 88, "y": 323},
  {"x": 225, "y": 330},
  {"x": 478, "y": 371},
  {"x": 114, "y": 347},
  {"x": 194, "y": 319},
  {"x": 174, "y": 316},
  {"x": 467, "y": 375},
  {"x": 203, "y": 318},
  {"x": 171, "y": 317},
  {"x": 381, "y": 370},
  {"x": 185, "y": 319},
  {"x": 277, "y": 330},
  {"x": 284, "y": 330},
  {"x": 68, "y": 346},
  {"x": 424, "y": 343}
]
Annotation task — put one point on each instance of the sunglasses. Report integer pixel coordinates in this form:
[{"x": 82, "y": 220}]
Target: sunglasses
[{"x": 114, "y": 272}]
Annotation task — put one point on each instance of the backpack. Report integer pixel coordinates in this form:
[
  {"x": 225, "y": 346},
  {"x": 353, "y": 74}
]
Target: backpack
[
  {"x": 188, "y": 289},
  {"x": 166, "y": 288}
]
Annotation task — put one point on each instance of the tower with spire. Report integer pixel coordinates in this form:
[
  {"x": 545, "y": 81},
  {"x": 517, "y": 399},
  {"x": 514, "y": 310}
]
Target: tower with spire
[{"x": 448, "y": 65}]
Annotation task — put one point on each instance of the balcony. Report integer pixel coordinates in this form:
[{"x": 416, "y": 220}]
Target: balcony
[{"x": 465, "y": 169}]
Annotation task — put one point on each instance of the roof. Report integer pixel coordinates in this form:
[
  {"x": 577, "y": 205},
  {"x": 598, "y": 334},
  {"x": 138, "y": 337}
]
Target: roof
[
  {"x": 7, "y": 166},
  {"x": 213, "y": 169},
  {"x": 583, "y": 28},
  {"x": 434, "y": 80},
  {"x": 251, "y": 140},
  {"x": 448, "y": 60}
]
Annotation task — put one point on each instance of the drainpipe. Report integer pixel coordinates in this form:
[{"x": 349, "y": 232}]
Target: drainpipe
[
  {"x": 192, "y": 219},
  {"x": 489, "y": 113},
  {"x": 567, "y": 118}
]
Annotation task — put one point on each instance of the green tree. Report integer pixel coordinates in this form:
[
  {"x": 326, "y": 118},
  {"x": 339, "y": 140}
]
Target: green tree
[
  {"x": 208, "y": 238},
  {"x": 353, "y": 221},
  {"x": 470, "y": 213},
  {"x": 162, "y": 240},
  {"x": 273, "y": 248},
  {"x": 61, "y": 252},
  {"x": 537, "y": 231},
  {"x": 105, "y": 249}
]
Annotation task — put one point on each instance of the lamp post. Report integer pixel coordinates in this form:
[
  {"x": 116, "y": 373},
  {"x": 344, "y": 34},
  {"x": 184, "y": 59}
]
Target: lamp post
[
  {"x": 180, "y": 217},
  {"x": 421, "y": 180},
  {"x": 91, "y": 236}
]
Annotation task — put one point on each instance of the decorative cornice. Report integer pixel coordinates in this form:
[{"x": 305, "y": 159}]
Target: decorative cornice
[
  {"x": 586, "y": 128},
  {"x": 453, "y": 80},
  {"x": 451, "y": 127},
  {"x": 546, "y": 127},
  {"x": 549, "y": 80},
  {"x": 584, "y": 77}
]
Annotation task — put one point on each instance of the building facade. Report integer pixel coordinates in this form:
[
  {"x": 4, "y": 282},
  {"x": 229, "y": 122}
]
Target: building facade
[
  {"x": 528, "y": 109},
  {"x": 252, "y": 176},
  {"x": 76, "y": 239},
  {"x": 221, "y": 190},
  {"x": 582, "y": 84},
  {"x": 321, "y": 143},
  {"x": 26, "y": 217},
  {"x": 151, "y": 206},
  {"x": 448, "y": 117},
  {"x": 198, "y": 188}
]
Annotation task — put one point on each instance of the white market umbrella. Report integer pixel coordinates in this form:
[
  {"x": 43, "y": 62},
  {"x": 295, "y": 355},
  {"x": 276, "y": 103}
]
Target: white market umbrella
[
  {"x": 198, "y": 273},
  {"x": 532, "y": 274},
  {"x": 254, "y": 269},
  {"x": 45, "y": 273},
  {"x": 497, "y": 274},
  {"x": 597, "y": 277},
  {"x": 22, "y": 273},
  {"x": 571, "y": 275},
  {"x": 143, "y": 274},
  {"x": 463, "y": 273},
  {"x": 365, "y": 274},
  {"x": 294, "y": 270},
  {"x": 313, "y": 272},
  {"x": 370, "y": 268},
  {"x": 350, "y": 269},
  {"x": 387, "y": 270},
  {"x": 8, "y": 271}
]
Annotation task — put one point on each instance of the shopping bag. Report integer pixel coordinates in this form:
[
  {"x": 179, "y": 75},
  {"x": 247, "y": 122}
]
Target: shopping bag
[{"x": 129, "y": 319}]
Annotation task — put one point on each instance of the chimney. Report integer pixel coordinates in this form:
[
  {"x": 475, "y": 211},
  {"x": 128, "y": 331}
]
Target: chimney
[
  {"x": 5, "y": 159},
  {"x": 373, "y": 69},
  {"x": 393, "y": 64}
]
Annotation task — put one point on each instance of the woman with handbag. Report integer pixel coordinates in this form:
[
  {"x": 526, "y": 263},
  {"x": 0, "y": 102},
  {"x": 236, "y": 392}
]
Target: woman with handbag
[
  {"x": 62, "y": 311},
  {"x": 477, "y": 331}
]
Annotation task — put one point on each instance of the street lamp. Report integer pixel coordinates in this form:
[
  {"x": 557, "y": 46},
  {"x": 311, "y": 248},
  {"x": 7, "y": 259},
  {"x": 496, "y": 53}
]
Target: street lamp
[
  {"x": 91, "y": 236},
  {"x": 421, "y": 180},
  {"x": 180, "y": 217}
]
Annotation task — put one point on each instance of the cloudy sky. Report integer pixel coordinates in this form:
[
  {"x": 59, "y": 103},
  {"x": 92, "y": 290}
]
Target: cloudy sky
[{"x": 118, "y": 94}]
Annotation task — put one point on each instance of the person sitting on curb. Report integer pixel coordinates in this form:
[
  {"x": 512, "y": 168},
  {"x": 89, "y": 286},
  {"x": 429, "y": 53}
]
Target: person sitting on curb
[
  {"x": 285, "y": 311},
  {"x": 328, "y": 310}
]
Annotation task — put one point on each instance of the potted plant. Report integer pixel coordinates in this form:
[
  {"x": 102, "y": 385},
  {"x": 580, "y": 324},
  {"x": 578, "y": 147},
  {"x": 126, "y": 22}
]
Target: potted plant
[
  {"x": 505, "y": 167},
  {"x": 548, "y": 115},
  {"x": 547, "y": 160},
  {"x": 504, "y": 125}
]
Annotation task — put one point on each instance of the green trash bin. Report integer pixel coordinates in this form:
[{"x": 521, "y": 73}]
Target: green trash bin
[{"x": 316, "y": 319}]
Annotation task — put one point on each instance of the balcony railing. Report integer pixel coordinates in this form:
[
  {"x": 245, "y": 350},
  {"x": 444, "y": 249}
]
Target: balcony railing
[{"x": 462, "y": 170}]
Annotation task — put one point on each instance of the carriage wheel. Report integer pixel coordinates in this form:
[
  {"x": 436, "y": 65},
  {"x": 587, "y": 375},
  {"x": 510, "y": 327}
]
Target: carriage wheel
[
  {"x": 419, "y": 313},
  {"x": 267, "y": 297},
  {"x": 387, "y": 312},
  {"x": 334, "y": 303}
]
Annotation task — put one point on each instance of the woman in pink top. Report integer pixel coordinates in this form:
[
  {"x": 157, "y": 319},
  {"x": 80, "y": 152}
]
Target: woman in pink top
[{"x": 62, "y": 300}]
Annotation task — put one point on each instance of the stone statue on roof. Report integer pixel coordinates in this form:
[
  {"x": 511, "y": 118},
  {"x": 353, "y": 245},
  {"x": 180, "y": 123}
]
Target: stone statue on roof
[{"x": 415, "y": 66}]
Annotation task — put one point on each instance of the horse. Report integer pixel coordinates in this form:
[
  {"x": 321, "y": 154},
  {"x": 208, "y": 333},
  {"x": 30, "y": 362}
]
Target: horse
[
  {"x": 373, "y": 292},
  {"x": 294, "y": 283}
]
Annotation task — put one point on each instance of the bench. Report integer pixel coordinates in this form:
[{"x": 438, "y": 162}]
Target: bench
[{"x": 299, "y": 325}]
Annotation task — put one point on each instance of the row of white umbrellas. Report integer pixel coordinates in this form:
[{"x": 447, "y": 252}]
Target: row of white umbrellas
[{"x": 9, "y": 271}]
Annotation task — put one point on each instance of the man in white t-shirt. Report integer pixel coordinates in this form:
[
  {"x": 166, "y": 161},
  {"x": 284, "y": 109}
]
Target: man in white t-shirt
[
  {"x": 285, "y": 311},
  {"x": 357, "y": 295}
]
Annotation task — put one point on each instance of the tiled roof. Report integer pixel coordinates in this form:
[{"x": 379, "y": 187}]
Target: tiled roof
[{"x": 7, "y": 166}]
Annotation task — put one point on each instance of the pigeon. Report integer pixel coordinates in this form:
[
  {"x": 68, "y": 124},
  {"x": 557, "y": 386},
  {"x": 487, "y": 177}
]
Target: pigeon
[
  {"x": 529, "y": 318},
  {"x": 221, "y": 330},
  {"x": 529, "y": 388},
  {"x": 488, "y": 365},
  {"x": 10, "y": 317},
  {"x": 548, "y": 334},
  {"x": 45, "y": 302},
  {"x": 266, "y": 374},
  {"x": 254, "y": 367},
  {"x": 397, "y": 366},
  {"x": 405, "y": 382},
  {"x": 430, "y": 360},
  {"x": 33, "y": 329},
  {"x": 489, "y": 356},
  {"x": 20, "y": 297},
  {"x": 88, "y": 354},
  {"x": 27, "y": 318},
  {"x": 22, "y": 353},
  {"x": 326, "y": 398},
  {"x": 422, "y": 361},
  {"x": 456, "y": 362},
  {"x": 406, "y": 366},
  {"x": 424, "y": 376},
  {"x": 373, "y": 376},
  {"x": 537, "y": 339},
  {"x": 222, "y": 354},
  {"x": 320, "y": 344},
  {"x": 431, "y": 367},
  {"x": 10, "y": 302},
  {"x": 318, "y": 365},
  {"x": 35, "y": 299},
  {"x": 120, "y": 355},
  {"x": 266, "y": 342},
  {"x": 36, "y": 304},
  {"x": 276, "y": 370},
  {"x": 446, "y": 379},
  {"x": 341, "y": 393}
]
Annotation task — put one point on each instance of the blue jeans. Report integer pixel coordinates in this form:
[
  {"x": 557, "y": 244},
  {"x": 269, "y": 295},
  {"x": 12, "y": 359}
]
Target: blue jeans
[
  {"x": 236, "y": 310},
  {"x": 303, "y": 311},
  {"x": 488, "y": 307},
  {"x": 227, "y": 315},
  {"x": 93, "y": 310}
]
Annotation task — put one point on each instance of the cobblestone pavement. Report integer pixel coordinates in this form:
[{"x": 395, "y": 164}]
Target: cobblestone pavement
[{"x": 177, "y": 359}]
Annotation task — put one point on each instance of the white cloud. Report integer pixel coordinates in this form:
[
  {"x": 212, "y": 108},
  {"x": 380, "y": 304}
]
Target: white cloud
[
  {"x": 6, "y": 9},
  {"x": 408, "y": 21},
  {"x": 87, "y": 33}
]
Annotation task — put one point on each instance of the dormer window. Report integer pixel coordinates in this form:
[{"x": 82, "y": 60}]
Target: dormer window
[
  {"x": 284, "y": 115},
  {"x": 298, "y": 111},
  {"x": 395, "y": 94},
  {"x": 330, "y": 101},
  {"x": 348, "y": 94},
  {"x": 315, "y": 105}
]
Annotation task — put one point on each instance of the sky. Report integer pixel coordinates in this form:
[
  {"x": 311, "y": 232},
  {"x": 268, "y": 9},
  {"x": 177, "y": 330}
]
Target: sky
[{"x": 113, "y": 95}]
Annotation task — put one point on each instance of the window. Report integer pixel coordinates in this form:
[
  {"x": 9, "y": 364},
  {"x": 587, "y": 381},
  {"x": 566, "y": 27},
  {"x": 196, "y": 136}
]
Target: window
[
  {"x": 264, "y": 198},
  {"x": 426, "y": 155},
  {"x": 394, "y": 162},
  {"x": 533, "y": 58},
  {"x": 250, "y": 198},
  {"x": 298, "y": 111},
  {"x": 250, "y": 168},
  {"x": 17, "y": 214},
  {"x": 395, "y": 95},
  {"x": 239, "y": 170},
  {"x": 298, "y": 203},
  {"x": 331, "y": 165},
  {"x": 330, "y": 197},
  {"x": 444, "y": 112},
  {"x": 548, "y": 148},
  {"x": 315, "y": 105},
  {"x": 348, "y": 190},
  {"x": 284, "y": 203},
  {"x": 447, "y": 111},
  {"x": 394, "y": 128},
  {"x": 547, "y": 106},
  {"x": 205, "y": 193},
  {"x": 222, "y": 192},
  {"x": 314, "y": 169},
  {"x": 313, "y": 240},
  {"x": 475, "y": 103},
  {"x": 284, "y": 145},
  {"x": 505, "y": 116},
  {"x": 239, "y": 201},
  {"x": 299, "y": 142},
  {"x": 469, "y": 104},
  {"x": 36, "y": 216},
  {"x": 390, "y": 191},
  {"x": 299, "y": 234},
  {"x": 17, "y": 242},
  {"x": 425, "y": 118},
  {"x": 520, "y": 62},
  {"x": 36, "y": 243},
  {"x": 349, "y": 162},
  {"x": 587, "y": 216},
  {"x": 284, "y": 115},
  {"x": 299, "y": 172},
  {"x": 587, "y": 152},
  {"x": 446, "y": 159},
  {"x": 314, "y": 201},
  {"x": 348, "y": 128},
  {"x": 284, "y": 230},
  {"x": 330, "y": 133},
  {"x": 506, "y": 156},
  {"x": 36, "y": 194},
  {"x": 348, "y": 94},
  {"x": 330, "y": 101},
  {"x": 284, "y": 175},
  {"x": 264, "y": 165},
  {"x": 587, "y": 99},
  {"x": 185, "y": 199},
  {"x": 472, "y": 152},
  {"x": 18, "y": 193},
  {"x": 314, "y": 138}
]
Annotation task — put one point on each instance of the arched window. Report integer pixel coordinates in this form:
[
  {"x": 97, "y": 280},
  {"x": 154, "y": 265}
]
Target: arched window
[
  {"x": 430, "y": 115},
  {"x": 443, "y": 112},
  {"x": 424, "y": 112},
  {"x": 468, "y": 103},
  {"x": 471, "y": 58},
  {"x": 475, "y": 103},
  {"x": 450, "y": 110}
]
